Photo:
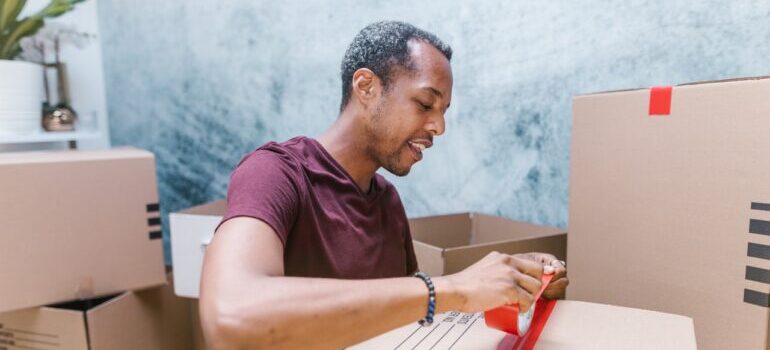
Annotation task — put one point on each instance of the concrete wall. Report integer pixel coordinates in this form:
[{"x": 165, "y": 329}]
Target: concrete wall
[{"x": 200, "y": 83}]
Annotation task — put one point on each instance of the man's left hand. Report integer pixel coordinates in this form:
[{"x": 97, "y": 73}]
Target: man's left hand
[{"x": 558, "y": 285}]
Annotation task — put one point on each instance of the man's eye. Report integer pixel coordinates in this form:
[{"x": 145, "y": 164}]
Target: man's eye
[{"x": 424, "y": 107}]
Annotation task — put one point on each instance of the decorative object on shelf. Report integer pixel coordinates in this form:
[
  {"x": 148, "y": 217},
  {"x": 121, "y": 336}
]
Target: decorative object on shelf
[
  {"x": 21, "y": 88},
  {"x": 61, "y": 118},
  {"x": 58, "y": 116},
  {"x": 21, "y": 93}
]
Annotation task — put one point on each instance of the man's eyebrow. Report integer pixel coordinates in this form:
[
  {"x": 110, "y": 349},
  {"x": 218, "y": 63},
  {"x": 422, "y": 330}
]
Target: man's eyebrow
[{"x": 434, "y": 91}]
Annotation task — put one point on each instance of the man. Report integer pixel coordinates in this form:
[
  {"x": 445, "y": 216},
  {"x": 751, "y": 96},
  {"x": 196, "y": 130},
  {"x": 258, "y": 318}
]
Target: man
[{"x": 314, "y": 251}]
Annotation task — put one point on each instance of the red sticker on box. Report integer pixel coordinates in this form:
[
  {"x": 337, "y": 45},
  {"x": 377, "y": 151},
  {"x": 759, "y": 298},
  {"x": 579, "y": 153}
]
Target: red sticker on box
[{"x": 660, "y": 100}]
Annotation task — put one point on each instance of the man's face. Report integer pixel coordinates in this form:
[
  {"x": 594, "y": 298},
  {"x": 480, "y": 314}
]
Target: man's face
[{"x": 411, "y": 111}]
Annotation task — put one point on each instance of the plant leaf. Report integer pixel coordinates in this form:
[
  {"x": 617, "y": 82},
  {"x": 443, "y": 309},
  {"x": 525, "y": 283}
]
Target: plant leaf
[
  {"x": 9, "y": 9},
  {"x": 28, "y": 26},
  {"x": 56, "y": 8}
]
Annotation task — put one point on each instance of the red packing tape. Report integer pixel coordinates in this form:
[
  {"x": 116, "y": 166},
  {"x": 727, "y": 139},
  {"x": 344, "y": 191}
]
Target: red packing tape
[
  {"x": 660, "y": 100},
  {"x": 527, "y": 341},
  {"x": 506, "y": 318}
]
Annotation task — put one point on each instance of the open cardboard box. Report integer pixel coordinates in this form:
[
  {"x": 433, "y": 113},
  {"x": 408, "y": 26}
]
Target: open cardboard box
[
  {"x": 447, "y": 244},
  {"x": 571, "y": 325},
  {"x": 152, "y": 319}
]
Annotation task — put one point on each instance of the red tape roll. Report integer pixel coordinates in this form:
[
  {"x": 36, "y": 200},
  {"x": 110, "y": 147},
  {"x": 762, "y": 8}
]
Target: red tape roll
[
  {"x": 527, "y": 341},
  {"x": 506, "y": 318}
]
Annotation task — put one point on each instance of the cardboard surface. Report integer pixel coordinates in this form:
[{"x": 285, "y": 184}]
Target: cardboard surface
[
  {"x": 43, "y": 328},
  {"x": 572, "y": 325},
  {"x": 152, "y": 319},
  {"x": 199, "y": 341},
  {"x": 449, "y": 243},
  {"x": 669, "y": 213},
  {"x": 76, "y": 224}
]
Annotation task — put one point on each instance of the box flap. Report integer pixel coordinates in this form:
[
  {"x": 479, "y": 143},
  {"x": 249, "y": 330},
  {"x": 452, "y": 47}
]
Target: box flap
[
  {"x": 488, "y": 229},
  {"x": 442, "y": 231},
  {"x": 153, "y": 319},
  {"x": 43, "y": 328},
  {"x": 430, "y": 259},
  {"x": 456, "y": 259}
]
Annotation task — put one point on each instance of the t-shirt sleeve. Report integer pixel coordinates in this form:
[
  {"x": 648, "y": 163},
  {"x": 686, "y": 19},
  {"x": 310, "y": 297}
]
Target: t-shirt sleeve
[
  {"x": 264, "y": 186},
  {"x": 411, "y": 258}
]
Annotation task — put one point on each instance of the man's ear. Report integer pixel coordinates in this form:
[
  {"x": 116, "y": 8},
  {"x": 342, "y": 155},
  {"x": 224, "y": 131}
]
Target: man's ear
[{"x": 366, "y": 86}]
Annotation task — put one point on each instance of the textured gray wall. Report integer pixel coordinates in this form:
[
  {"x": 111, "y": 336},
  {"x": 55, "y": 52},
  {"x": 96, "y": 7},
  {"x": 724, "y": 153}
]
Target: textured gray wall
[{"x": 200, "y": 83}]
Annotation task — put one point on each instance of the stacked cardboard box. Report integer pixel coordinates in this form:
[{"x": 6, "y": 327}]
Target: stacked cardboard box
[
  {"x": 669, "y": 208},
  {"x": 81, "y": 264}
]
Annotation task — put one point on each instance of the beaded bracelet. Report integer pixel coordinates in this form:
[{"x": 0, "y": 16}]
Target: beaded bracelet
[{"x": 428, "y": 320}]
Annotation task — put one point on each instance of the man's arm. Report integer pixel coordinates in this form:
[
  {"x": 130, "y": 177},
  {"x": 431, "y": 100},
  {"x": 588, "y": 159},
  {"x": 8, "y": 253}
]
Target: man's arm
[{"x": 246, "y": 302}]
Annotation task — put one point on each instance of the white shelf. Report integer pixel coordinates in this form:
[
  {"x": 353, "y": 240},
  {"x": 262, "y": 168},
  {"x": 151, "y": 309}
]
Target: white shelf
[{"x": 42, "y": 136}]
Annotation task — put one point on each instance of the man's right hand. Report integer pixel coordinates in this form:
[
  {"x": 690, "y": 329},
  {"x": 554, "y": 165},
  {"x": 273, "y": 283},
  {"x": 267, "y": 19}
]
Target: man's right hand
[{"x": 496, "y": 280}]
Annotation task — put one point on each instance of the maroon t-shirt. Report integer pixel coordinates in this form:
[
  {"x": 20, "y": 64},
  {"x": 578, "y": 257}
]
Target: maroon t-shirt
[{"x": 328, "y": 226}]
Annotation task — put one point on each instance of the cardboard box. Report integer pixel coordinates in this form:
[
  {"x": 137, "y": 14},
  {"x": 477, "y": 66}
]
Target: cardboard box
[
  {"x": 449, "y": 243},
  {"x": 191, "y": 232},
  {"x": 669, "y": 212},
  {"x": 77, "y": 224},
  {"x": 147, "y": 320},
  {"x": 443, "y": 244},
  {"x": 199, "y": 342},
  {"x": 571, "y": 325}
]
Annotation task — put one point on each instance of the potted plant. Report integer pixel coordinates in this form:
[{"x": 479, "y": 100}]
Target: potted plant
[{"x": 21, "y": 83}]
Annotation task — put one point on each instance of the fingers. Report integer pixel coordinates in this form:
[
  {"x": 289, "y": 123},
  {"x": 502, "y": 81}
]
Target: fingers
[
  {"x": 556, "y": 289},
  {"x": 526, "y": 266},
  {"x": 558, "y": 286},
  {"x": 524, "y": 299},
  {"x": 558, "y": 271},
  {"x": 528, "y": 281},
  {"x": 543, "y": 258}
]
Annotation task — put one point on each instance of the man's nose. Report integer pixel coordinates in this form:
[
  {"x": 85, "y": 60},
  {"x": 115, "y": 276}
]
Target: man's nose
[{"x": 435, "y": 125}]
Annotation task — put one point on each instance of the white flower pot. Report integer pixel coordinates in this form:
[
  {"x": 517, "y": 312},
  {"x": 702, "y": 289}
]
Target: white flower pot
[{"x": 21, "y": 97}]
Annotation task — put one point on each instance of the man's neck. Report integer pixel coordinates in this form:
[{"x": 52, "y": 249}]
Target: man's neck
[{"x": 344, "y": 140}]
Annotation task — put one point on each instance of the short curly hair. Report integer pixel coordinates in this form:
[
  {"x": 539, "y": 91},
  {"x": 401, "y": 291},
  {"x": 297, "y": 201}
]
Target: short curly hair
[{"x": 381, "y": 47}]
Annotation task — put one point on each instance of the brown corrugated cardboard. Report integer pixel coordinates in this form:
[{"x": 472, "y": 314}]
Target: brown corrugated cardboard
[
  {"x": 198, "y": 340},
  {"x": 152, "y": 319},
  {"x": 572, "y": 325},
  {"x": 77, "y": 224},
  {"x": 449, "y": 243},
  {"x": 670, "y": 212}
]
